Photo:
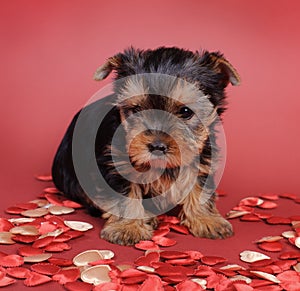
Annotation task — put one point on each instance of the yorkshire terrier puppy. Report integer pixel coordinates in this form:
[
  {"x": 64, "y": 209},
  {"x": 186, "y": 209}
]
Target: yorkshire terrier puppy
[{"x": 163, "y": 145}]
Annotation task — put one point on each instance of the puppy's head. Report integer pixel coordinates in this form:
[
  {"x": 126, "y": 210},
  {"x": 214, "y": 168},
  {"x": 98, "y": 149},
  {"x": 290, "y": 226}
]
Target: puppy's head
[{"x": 168, "y": 98}]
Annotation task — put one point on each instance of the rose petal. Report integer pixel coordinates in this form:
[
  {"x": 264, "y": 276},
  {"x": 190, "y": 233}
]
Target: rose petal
[
  {"x": 46, "y": 228},
  {"x": 102, "y": 262},
  {"x": 44, "y": 178},
  {"x": 57, "y": 247},
  {"x": 5, "y": 225},
  {"x": 71, "y": 204},
  {"x": 203, "y": 271},
  {"x": 289, "y": 234},
  {"x": 212, "y": 260},
  {"x": 67, "y": 275},
  {"x": 38, "y": 212},
  {"x": 11, "y": 261},
  {"x": 170, "y": 219},
  {"x": 60, "y": 210},
  {"x": 289, "y": 196},
  {"x": 161, "y": 232},
  {"x": 289, "y": 255},
  {"x": 173, "y": 279},
  {"x": 146, "y": 269},
  {"x": 60, "y": 262},
  {"x": 164, "y": 241},
  {"x": 29, "y": 251},
  {"x": 43, "y": 242},
  {"x": 266, "y": 276},
  {"x": 86, "y": 257},
  {"x": 108, "y": 286},
  {"x": 74, "y": 233},
  {"x": 134, "y": 280},
  {"x": 51, "y": 190},
  {"x": 96, "y": 275},
  {"x": 269, "y": 239},
  {"x": 181, "y": 262},
  {"x": 6, "y": 281},
  {"x": 80, "y": 286},
  {"x": 35, "y": 279},
  {"x": 26, "y": 206},
  {"x": 18, "y": 272},
  {"x": 25, "y": 230},
  {"x": 278, "y": 220},
  {"x": 45, "y": 268},
  {"x": 25, "y": 238},
  {"x": 274, "y": 246},
  {"x": 236, "y": 213},
  {"x": 6, "y": 238},
  {"x": 250, "y": 217},
  {"x": 146, "y": 245},
  {"x": 269, "y": 196},
  {"x": 152, "y": 283},
  {"x": 251, "y": 201},
  {"x": 263, "y": 215},
  {"x": 262, "y": 263},
  {"x": 268, "y": 205},
  {"x": 37, "y": 258},
  {"x": 147, "y": 260},
  {"x": 78, "y": 225},
  {"x": 173, "y": 255},
  {"x": 179, "y": 228},
  {"x": 195, "y": 255},
  {"x": 252, "y": 256},
  {"x": 14, "y": 210}
]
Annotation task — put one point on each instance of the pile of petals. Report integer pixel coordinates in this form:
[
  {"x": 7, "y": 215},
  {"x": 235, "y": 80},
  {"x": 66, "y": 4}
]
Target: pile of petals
[{"x": 40, "y": 231}]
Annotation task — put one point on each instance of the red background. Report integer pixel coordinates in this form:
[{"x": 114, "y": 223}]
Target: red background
[{"x": 50, "y": 50}]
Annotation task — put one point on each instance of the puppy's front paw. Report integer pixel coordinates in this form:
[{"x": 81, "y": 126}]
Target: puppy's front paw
[
  {"x": 124, "y": 232},
  {"x": 210, "y": 227}
]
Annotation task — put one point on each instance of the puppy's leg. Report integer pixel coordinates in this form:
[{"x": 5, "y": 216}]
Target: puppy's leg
[
  {"x": 200, "y": 215},
  {"x": 126, "y": 231}
]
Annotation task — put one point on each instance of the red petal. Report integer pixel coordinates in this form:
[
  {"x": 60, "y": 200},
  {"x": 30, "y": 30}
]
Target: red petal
[
  {"x": 102, "y": 262},
  {"x": 227, "y": 273},
  {"x": 278, "y": 220},
  {"x": 269, "y": 196},
  {"x": 5, "y": 225},
  {"x": 134, "y": 280},
  {"x": 212, "y": 260},
  {"x": 11, "y": 261},
  {"x": 268, "y": 205},
  {"x": 262, "y": 263},
  {"x": 107, "y": 286},
  {"x": 146, "y": 245},
  {"x": 250, "y": 217},
  {"x": 274, "y": 246},
  {"x": 44, "y": 178},
  {"x": 289, "y": 196},
  {"x": 152, "y": 283},
  {"x": 131, "y": 273},
  {"x": 289, "y": 255},
  {"x": 188, "y": 285},
  {"x": 14, "y": 210},
  {"x": 164, "y": 241},
  {"x": 18, "y": 272},
  {"x": 25, "y": 238},
  {"x": 169, "y": 270},
  {"x": 71, "y": 204},
  {"x": 42, "y": 242},
  {"x": 35, "y": 279},
  {"x": 57, "y": 247},
  {"x": 29, "y": 251},
  {"x": 285, "y": 265},
  {"x": 263, "y": 215},
  {"x": 67, "y": 275},
  {"x": 5, "y": 281},
  {"x": 180, "y": 228},
  {"x": 161, "y": 232},
  {"x": 171, "y": 219},
  {"x": 181, "y": 262},
  {"x": 27, "y": 206},
  {"x": 175, "y": 278},
  {"x": 55, "y": 199},
  {"x": 2, "y": 272},
  {"x": 51, "y": 190},
  {"x": 250, "y": 201},
  {"x": 204, "y": 271},
  {"x": 60, "y": 262},
  {"x": 269, "y": 288},
  {"x": 74, "y": 233},
  {"x": 81, "y": 286},
  {"x": 195, "y": 255},
  {"x": 148, "y": 259},
  {"x": 47, "y": 227},
  {"x": 173, "y": 255},
  {"x": 242, "y": 287},
  {"x": 45, "y": 268}
]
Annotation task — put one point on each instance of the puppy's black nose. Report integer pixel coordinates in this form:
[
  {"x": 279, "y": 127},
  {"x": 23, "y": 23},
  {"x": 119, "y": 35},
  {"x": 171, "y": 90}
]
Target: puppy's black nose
[{"x": 157, "y": 147}]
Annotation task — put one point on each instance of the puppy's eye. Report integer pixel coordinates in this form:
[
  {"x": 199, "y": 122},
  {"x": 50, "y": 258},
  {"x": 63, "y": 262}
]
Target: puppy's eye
[{"x": 185, "y": 112}]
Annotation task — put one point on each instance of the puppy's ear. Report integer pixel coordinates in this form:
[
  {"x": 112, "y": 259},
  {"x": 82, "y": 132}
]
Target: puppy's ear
[
  {"x": 221, "y": 66},
  {"x": 111, "y": 64}
]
